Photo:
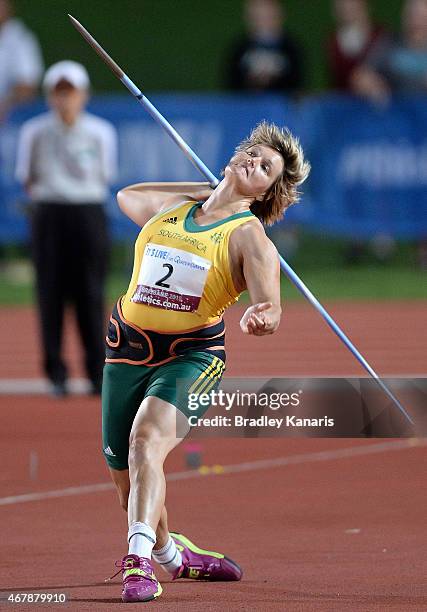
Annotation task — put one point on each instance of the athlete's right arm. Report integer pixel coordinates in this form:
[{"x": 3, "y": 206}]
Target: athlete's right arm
[{"x": 142, "y": 201}]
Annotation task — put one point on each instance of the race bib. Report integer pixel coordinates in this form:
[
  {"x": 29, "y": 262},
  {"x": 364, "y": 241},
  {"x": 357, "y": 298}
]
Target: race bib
[{"x": 171, "y": 279}]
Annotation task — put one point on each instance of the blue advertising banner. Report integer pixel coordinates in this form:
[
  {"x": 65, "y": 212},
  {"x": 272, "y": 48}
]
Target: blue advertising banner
[
  {"x": 369, "y": 167},
  {"x": 369, "y": 164}
]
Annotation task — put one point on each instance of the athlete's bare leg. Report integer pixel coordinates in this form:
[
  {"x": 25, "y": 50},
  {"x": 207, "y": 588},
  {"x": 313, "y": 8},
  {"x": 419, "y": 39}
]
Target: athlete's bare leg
[
  {"x": 162, "y": 532},
  {"x": 153, "y": 436},
  {"x": 142, "y": 488},
  {"x": 121, "y": 480}
]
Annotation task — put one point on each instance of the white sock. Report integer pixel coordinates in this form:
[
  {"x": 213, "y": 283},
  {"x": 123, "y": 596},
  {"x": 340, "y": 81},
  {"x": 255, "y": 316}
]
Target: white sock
[
  {"x": 168, "y": 557},
  {"x": 141, "y": 540}
]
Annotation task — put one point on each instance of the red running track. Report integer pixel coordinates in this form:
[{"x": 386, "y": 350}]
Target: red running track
[
  {"x": 322, "y": 529},
  {"x": 391, "y": 336}
]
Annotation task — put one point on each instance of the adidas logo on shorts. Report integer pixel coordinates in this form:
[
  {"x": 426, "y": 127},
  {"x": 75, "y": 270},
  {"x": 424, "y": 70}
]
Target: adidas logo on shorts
[
  {"x": 109, "y": 452},
  {"x": 172, "y": 220}
]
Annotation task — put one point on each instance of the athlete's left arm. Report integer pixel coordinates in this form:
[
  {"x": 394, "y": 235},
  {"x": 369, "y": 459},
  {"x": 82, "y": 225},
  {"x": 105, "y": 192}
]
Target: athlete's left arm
[{"x": 261, "y": 271}]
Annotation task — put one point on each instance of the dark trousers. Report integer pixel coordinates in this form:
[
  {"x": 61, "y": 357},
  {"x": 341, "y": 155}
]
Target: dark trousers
[{"x": 70, "y": 249}]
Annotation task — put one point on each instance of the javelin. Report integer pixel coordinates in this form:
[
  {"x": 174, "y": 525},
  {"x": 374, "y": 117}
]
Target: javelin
[{"x": 194, "y": 159}]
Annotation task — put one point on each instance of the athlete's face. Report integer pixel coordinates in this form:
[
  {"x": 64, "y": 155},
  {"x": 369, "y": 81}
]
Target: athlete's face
[{"x": 255, "y": 169}]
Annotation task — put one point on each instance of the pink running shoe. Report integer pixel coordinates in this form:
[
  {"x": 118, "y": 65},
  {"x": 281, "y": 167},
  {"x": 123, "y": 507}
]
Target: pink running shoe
[
  {"x": 139, "y": 581},
  {"x": 199, "y": 564}
]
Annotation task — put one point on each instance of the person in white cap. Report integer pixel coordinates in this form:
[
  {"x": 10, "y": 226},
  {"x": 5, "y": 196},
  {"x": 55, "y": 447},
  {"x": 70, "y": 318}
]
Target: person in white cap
[{"x": 66, "y": 160}]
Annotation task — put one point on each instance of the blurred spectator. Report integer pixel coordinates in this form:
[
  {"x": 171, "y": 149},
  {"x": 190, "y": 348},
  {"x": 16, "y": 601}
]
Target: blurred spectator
[
  {"x": 66, "y": 158},
  {"x": 21, "y": 65},
  {"x": 397, "y": 64},
  {"x": 266, "y": 58},
  {"x": 353, "y": 39}
]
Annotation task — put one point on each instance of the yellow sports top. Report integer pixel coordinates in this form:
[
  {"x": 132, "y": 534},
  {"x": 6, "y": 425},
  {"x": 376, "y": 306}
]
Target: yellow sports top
[{"x": 181, "y": 276}]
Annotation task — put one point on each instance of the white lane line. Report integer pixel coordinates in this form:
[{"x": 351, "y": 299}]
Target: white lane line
[
  {"x": 249, "y": 466},
  {"x": 81, "y": 490},
  {"x": 39, "y": 386},
  {"x": 339, "y": 453}
]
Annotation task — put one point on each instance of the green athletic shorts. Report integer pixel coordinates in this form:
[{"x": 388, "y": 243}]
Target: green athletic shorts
[{"x": 125, "y": 386}]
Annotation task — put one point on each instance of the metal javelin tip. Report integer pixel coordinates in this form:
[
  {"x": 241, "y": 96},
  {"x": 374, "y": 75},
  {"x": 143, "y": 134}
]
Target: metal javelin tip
[{"x": 97, "y": 47}]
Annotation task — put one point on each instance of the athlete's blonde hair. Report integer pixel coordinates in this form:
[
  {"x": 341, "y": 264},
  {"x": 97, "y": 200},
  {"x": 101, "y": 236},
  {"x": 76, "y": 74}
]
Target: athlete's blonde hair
[{"x": 284, "y": 191}]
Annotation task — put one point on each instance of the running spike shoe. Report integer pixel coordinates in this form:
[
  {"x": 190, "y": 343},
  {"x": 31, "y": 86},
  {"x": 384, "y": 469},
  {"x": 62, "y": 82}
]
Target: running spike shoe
[
  {"x": 139, "y": 581},
  {"x": 199, "y": 564}
]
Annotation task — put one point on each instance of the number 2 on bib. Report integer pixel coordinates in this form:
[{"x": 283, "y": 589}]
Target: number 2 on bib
[
  {"x": 161, "y": 282},
  {"x": 186, "y": 274}
]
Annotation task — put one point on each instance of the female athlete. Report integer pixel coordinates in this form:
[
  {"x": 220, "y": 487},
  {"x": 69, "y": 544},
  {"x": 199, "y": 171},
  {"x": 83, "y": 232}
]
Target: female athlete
[{"x": 197, "y": 251}]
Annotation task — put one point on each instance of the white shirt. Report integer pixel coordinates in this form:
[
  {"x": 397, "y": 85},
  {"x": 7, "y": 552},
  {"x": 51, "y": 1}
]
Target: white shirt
[
  {"x": 20, "y": 57},
  {"x": 70, "y": 164}
]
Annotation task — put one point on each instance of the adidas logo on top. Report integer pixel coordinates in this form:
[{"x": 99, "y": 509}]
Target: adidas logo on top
[{"x": 172, "y": 220}]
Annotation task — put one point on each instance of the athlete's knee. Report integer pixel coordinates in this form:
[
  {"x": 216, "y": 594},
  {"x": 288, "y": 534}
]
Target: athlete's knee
[{"x": 145, "y": 445}]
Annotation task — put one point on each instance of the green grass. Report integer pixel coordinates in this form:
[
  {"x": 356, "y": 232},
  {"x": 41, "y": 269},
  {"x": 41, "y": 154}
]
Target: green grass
[{"x": 365, "y": 283}]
